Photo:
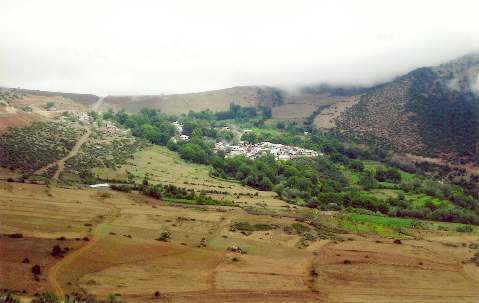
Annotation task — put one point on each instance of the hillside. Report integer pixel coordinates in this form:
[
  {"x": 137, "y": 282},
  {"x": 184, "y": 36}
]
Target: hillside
[
  {"x": 11, "y": 116},
  {"x": 21, "y": 108},
  {"x": 286, "y": 105},
  {"x": 431, "y": 111},
  {"x": 216, "y": 100},
  {"x": 84, "y": 99}
]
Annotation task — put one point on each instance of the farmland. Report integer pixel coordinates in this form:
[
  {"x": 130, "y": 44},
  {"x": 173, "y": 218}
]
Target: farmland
[
  {"x": 166, "y": 167},
  {"x": 124, "y": 256},
  {"x": 259, "y": 248},
  {"x": 172, "y": 229}
]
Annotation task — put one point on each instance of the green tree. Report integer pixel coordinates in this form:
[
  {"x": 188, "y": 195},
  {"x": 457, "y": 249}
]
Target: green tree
[{"x": 367, "y": 181}]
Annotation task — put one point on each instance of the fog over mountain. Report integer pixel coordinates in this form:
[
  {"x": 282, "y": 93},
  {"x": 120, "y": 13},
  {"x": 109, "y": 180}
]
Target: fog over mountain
[{"x": 152, "y": 47}]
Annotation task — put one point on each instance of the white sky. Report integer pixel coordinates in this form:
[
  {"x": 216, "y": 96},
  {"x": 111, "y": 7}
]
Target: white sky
[{"x": 148, "y": 47}]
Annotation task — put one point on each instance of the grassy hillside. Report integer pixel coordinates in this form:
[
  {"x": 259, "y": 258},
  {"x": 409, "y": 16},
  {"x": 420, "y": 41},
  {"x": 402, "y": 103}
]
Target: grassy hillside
[
  {"x": 216, "y": 100},
  {"x": 85, "y": 99},
  {"x": 294, "y": 106}
]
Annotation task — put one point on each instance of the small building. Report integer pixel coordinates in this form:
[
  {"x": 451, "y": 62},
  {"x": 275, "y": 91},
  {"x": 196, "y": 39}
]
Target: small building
[
  {"x": 184, "y": 137},
  {"x": 178, "y": 126},
  {"x": 219, "y": 146},
  {"x": 100, "y": 185}
]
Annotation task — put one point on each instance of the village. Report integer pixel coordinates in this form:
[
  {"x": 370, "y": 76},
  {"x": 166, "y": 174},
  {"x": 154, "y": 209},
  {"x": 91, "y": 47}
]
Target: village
[
  {"x": 107, "y": 126},
  {"x": 253, "y": 151}
]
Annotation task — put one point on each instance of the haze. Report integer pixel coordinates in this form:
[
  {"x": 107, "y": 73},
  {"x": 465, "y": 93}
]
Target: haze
[{"x": 152, "y": 47}]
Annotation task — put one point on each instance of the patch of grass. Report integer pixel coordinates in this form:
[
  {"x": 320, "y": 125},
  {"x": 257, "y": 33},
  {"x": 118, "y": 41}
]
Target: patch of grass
[
  {"x": 300, "y": 228},
  {"x": 464, "y": 229},
  {"x": 385, "y": 193},
  {"x": 418, "y": 201},
  {"x": 380, "y": 225},
  {"x": 246, "y": 226},
  {"x": 407, "y": 177},
  {"x": 194, "y": 202}
]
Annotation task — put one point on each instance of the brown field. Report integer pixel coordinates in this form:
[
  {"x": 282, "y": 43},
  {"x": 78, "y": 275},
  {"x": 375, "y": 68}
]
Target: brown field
[
  {"x": 298, "y": 107},
  {"x": 123, "y": 257},
  {"x": 12, "y": 117},
  {"x": 326, "y": 119},
  {"x": 215, "y": 100},
  {"x": 84, "y": 99},
  {"x": 166, "y": 167},
  {"x": 38, "y": 104}
]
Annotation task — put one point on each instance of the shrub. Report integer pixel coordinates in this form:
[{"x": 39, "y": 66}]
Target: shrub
[
  {"x": 165, "y": 237},
  {"x": 57, "y": 251},
  {"x": 464, "y": 229},
  {"x": 390, "y": 175},
  {"x": 36, "y": 270}
]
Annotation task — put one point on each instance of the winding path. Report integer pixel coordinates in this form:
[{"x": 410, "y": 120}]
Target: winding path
[
  {"x": 61, "y": 162},
  {"x": 52, "y": 275}
]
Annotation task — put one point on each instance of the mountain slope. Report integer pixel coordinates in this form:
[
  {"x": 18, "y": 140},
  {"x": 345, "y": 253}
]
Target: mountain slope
[
  {"x": 432, "y": 111},
  {"x": 84, "y": 99},
  {"x": 295, "y": 106},
  {"x": 215, "y": 100}
]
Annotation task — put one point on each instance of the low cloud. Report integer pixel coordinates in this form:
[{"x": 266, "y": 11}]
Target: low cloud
[{"x": 152, "y": 47}]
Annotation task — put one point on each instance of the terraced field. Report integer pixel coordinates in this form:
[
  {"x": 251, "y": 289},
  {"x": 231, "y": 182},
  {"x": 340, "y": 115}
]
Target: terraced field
[{"x": 134, "y": 246}]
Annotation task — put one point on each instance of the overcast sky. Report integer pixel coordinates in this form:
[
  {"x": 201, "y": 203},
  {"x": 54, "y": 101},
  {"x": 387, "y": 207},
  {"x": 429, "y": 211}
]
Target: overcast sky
[{"x": 148, "y": 47}]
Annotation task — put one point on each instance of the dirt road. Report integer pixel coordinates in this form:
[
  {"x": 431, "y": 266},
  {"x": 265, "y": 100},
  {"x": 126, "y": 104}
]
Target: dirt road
[
  {"x": 52, "y": 275},
  {"x": 61, "y": 163},
  {"x": 97, "y": 104}
]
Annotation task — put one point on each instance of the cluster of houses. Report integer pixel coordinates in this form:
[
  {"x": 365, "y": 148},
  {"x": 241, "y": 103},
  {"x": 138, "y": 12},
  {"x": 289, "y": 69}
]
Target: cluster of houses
[
  {"x": 110, "y": 127},
  {"x": 76, "y": 115},
  {"x": 179, "y": 130},
  {"x": 84, "y": 117},
  {"x": 253, "y": 151}
]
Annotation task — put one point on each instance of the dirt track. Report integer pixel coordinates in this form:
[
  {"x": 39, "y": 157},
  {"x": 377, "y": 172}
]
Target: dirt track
[
  {"x": 52, "y": 274},
  {"x": 124, "y": 257},
  {"x": 61, "y": 162}
]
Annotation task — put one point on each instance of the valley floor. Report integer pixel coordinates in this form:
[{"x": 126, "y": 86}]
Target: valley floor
[{"x": 123, "y": 257}]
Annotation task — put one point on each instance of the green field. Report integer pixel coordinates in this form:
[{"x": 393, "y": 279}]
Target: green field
[{"x": 380, "y": 225}]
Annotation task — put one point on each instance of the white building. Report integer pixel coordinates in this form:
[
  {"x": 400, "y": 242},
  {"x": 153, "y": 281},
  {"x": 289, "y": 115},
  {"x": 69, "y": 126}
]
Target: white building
[
  {"x": 253, "y": 151},
  {"x": 178, "y": 126}
]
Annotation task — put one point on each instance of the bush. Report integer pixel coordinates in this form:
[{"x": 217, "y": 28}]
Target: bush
[
  {"x": 464, "y": 229},
  {"x": 57, "y": 251},
  {"x": 357, "y": 165},
  {"x": 36, "y": 270},
  {"x": 389, "y": 175},
  {"x": 367, "y": 181}
]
